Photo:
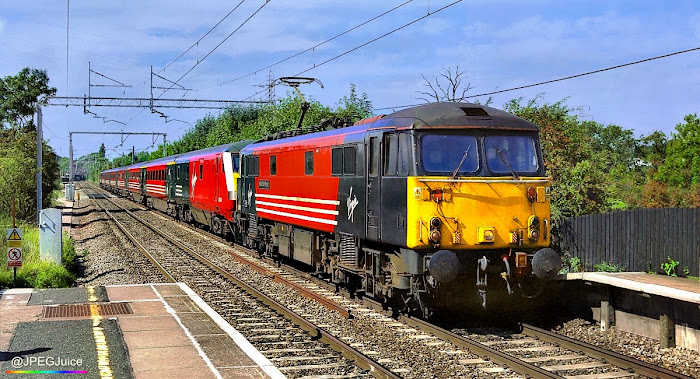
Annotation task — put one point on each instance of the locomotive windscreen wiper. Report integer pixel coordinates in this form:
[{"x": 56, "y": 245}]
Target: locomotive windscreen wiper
[
  {"x": 503, "y": 158},
  {"x": 464, "y": 157}
]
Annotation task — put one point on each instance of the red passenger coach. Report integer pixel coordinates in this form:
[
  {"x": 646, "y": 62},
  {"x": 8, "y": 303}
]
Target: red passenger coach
[{"x": 133, "y": 180}]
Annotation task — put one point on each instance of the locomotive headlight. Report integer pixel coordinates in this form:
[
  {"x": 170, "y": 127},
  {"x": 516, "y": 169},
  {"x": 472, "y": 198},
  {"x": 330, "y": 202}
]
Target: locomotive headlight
[
  {"x": 534, "y": 234},
  {"x": 435, "y": 223},
  {"x": 435, "y": 236},
  {"x": 531, "y": 194},
  {"x": 534, "y": 222},
  {"x": 437, "y": 195},
  {"x": 486, "y": 234}
]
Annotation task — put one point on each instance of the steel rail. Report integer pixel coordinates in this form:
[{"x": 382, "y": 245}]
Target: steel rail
[
  {"x": 619, "y": 360},
  {"x": 301, "y": 289},
  {"x": 494, "y": 355},
  {"x": 361, "y": 360},
  {"x": 133, "y": 240}
]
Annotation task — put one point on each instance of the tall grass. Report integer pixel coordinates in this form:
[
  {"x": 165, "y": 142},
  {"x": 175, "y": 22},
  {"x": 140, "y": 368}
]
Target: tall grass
[{"x": 35, "y": 273}]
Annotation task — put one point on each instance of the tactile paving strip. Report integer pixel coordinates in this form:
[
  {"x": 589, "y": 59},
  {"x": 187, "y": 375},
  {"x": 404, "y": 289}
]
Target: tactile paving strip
[{"x": 83, "y": 310}]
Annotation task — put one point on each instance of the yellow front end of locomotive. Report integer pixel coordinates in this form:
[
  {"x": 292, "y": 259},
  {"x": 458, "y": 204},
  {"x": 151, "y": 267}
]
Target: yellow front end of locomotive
[{"x": 478, "y": 213}]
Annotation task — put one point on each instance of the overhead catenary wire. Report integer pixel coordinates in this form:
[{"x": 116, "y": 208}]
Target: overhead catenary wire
[
  {"x": 216, "y": 47},
  {"x": 200, "y": 40},
  {"x": 366, "y": 43},
  {"x": 560, "y": 79},
  {"x": 312, "y": 47}
]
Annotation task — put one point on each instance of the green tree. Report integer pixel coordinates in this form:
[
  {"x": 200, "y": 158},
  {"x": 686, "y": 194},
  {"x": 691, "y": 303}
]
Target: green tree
[
  {"x": 19, "y": 95},
  {"x": 354, "y": 106},
  {"x": 681, "y": 168},
  {"x": 284, "y": 115}
]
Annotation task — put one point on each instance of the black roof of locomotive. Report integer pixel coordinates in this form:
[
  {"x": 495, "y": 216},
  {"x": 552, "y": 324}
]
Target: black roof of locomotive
[{"x": 455, "y": 114}]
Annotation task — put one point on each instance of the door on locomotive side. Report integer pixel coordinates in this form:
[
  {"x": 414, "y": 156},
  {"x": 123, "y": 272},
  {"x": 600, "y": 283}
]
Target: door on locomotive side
[
  {"x": 373, "y": 153},
  {"x": 397, "y": 165},
  {"x": 246, "y": 186}
]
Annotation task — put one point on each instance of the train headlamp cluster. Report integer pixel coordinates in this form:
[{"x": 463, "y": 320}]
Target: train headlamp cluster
[
  {"x": 534, "y": 226},
  {"x": 435, "y": 230}
]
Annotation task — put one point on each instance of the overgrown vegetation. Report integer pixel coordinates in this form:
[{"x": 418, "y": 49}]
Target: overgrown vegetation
[
  {"x": 570, "y": 264},
  {"x": 19, "y": 95},
  {"x": 608, "y": 267},
  {"x": 670, "y": 266},
  {"x": 34, "y": 272}
]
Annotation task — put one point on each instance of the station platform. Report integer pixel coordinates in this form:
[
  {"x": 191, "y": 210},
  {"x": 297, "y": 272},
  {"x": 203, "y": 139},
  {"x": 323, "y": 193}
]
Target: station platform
[
  {"x": 131, "y": 331},
  {"x": 661, "y": 285},
  {"x": 656, "y": 306}
]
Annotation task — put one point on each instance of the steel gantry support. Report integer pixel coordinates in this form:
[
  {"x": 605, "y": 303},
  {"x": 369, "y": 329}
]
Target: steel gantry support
[
  {"x": 70, "y": 146},
  {"x": 147, "y": 102}
]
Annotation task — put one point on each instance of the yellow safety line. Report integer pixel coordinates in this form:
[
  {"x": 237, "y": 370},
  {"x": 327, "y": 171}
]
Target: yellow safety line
[{"x": 99, "y": 336}]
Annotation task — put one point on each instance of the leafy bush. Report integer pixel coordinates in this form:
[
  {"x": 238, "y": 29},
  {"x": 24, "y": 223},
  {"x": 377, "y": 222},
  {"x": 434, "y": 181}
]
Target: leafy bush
[
  {"x": 608, "y": 267},
  {"x": 570, "y": 264},
  {"x": 35, "y": 273},
  {"x": 68, "y": 255},
  {"x": 670, "y": 266}
]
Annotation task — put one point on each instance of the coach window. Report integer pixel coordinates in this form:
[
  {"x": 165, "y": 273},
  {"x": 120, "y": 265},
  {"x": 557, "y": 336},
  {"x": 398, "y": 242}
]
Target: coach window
[
  {"x": 309, "y": 163},
  {"x": 337, "y": 161},
  {"x": 349, "y": 163},
  {"x": 391, "y": 155},
  {"x": 373, "y": 156},
  {"x": 273, "y": 165}
]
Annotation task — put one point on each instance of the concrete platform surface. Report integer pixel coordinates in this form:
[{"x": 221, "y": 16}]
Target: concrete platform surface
[
  {"x": 666, "y": 286},
  {"x": 132, "y": 331}
]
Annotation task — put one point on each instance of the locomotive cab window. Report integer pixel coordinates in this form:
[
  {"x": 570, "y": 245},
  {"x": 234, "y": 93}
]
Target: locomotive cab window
[
  {"x": 349, "y": 160},
  {"x": 444, "y": 154},
  {"x": 397, "y": 154},
  {"x": 344, "y": 160},
  {"x": 309, "y": 163},
  {"x": 507, "y": 154},
  {"x": 337, "y": 161},
  {"x": 273, "y": 165}
]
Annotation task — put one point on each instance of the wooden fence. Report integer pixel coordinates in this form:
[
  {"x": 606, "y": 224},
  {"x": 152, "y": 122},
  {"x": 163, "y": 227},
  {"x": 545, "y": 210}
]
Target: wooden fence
[{"x": 638, "y": 240}]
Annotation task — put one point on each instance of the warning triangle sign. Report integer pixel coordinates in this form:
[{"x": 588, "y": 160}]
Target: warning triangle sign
[{"x": 14, "y": 236}]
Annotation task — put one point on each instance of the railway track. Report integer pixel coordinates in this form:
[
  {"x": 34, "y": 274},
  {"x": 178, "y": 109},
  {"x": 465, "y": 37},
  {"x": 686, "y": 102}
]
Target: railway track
[
  {"x": 297, "y": 346},
  {"x": 532, "y": 353}
]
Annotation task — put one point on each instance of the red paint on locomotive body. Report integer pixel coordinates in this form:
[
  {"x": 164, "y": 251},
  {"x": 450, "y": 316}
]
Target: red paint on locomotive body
[
  {"x": 208, "y": 190},
  {"x": 291, "y": 195}
]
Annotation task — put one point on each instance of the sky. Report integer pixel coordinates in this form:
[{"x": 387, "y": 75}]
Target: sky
[{"x": 500, "y": 43}]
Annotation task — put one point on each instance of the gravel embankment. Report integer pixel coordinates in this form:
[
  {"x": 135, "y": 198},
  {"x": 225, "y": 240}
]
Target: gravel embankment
[
  {"x": 680, "y": 360},
  {"x": 105, "y": 255}
]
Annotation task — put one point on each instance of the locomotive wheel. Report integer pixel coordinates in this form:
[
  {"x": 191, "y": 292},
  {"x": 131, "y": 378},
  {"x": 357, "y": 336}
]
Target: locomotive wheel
[{"x": 216, "y": 225}]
